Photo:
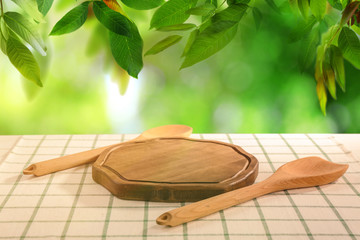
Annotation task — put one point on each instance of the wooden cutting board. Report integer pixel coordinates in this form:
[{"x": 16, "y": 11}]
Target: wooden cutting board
[{"x": 174, "y": 169}]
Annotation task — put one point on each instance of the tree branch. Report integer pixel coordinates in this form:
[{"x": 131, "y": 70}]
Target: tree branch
[{"x": 2, "y": 8}]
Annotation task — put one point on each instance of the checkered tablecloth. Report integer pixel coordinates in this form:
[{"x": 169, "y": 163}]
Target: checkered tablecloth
[{"x": 69, "y": 205}]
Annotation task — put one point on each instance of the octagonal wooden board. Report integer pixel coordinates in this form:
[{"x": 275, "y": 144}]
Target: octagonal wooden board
[{"x": 174, "y": 169}]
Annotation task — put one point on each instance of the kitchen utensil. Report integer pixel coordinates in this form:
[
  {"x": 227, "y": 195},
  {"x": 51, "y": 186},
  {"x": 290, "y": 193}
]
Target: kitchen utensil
[
  {"x": 77, "y": 159},
  {"x": 304, "y": 172}
]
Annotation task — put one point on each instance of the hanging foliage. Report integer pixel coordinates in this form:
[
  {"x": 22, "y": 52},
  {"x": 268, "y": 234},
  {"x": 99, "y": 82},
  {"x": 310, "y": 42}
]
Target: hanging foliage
[{"x": 218, "y": 26}]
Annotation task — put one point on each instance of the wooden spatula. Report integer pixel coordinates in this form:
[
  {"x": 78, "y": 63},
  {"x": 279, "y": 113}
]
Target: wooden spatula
[
  {"x": 77, "y": 159},
  {"x": 304, "y": 172}
]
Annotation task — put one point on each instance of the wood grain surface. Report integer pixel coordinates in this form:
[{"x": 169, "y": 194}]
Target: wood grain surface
[{"x": 174, "y": 169}]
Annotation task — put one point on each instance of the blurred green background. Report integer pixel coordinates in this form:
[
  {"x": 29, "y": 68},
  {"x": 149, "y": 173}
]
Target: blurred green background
[{"x": 253, "y": 85}]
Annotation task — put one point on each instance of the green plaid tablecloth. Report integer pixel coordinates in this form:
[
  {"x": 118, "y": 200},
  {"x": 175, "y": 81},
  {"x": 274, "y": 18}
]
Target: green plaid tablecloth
[{"x": 69, "y": 205}]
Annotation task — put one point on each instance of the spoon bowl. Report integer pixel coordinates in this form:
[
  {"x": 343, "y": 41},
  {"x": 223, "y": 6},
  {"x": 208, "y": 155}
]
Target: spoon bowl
[
  {"x": 166, "y": 131},
  {"x": 308, "y": 172}
]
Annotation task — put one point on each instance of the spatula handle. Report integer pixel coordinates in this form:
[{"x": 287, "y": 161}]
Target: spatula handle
[
  {"x": 68, "y": 161},
  {"x": 214, "y": 204},
  {"x": 65, "y": 162}
]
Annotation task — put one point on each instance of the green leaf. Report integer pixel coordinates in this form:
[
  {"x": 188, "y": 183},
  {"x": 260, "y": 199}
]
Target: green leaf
[
  {"x": 318, "y": 8},
  {"x": 302, "y": 28},
  {"x": 257, "y": 15},
  {"x": 331, "y": 18},
  {"x": 72, "y": 21},
  {"x": 350, "y": 46},
  {"x": 26, "y": 29},
  {"x": 331, "y": 36},
  {"x": 320, "y": 86},
  {"x": 229, "y": 2},
  {"x": 4, "y": 35},
  {"x": 337, "y": 63},
  {"x": 319, "y": 76},
  {"x": 127, "y": 51},
  {"x": 321, "y": 92},
  {"x": 190, "y": 41},
  {"x": 112, "y": 20},
  {"x": 3, "y": 28},
  {"x": 32, "y": 90},
  {"x": 308, "y": 48},
  {"x": 322, "y": 53},
  {"x": 329, "y": 79},
  {"x": 170, "y": 13},
  {"x": 213, "y": 2},
  {"x": 177, "y": 27},
  {"x": 163, "y": 44},
  {"x": 3, "y": 43},
  {"x": 143, "y": 4},
  {"x": 207, "y": 44},
  {"x": 356, "y": 29},
  {"x": 336, "y": 4},
  {"x": 44, "y": 6},
  {"x": 31, "y": 8},
  {"x": 215, "y": 34},
  {"x": 224, "y": 19},
  {"x": 227, "y": 17},
  {"x": 294, "y": 6},
  {"x": 202, "y": 10},
  {"x": 121, "y": 78},
  {"x": 23, "y": 60},
  {"x": 211, "y": 13},
  {"x": 304, "y": 7},
  {"x": 114, "y": 5},
  {"x": 272, "y": 4},
  {"x": 349, "y": 12},
  {"x": 320, "y": 56},
  {"x": 345, "y": 3}
]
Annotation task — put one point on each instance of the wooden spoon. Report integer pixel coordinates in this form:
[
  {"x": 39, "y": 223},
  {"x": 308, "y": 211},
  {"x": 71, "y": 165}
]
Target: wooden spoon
[
  {"x": 77, "y": 159},
  {"x": 304, "y": 172}
]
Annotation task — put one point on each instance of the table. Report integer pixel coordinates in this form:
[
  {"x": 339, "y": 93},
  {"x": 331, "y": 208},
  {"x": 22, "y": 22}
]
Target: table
[{"x": 69, "y": 205}]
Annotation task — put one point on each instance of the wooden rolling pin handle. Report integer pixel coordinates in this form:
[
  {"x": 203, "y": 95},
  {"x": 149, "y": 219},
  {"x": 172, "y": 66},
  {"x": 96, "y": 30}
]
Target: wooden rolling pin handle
[{"x": 214, "y": 204}]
